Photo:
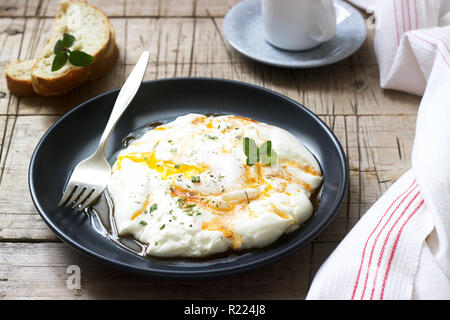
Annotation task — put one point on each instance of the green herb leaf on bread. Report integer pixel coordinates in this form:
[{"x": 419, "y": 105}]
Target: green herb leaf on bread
[{"x": 62, "y": 52}]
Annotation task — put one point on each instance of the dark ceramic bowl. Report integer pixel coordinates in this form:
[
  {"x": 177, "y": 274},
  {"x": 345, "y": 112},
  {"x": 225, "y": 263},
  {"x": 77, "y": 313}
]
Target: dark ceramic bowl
[{"x": 76, "y": 134}]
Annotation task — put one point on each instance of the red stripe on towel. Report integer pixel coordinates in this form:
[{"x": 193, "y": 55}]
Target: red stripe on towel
[
  {"x": 376, "y": 239},
  {"x": 396, "y": 22},
  {"x": 370, "y": 235},
  {"x": 380, "y": 258},
  {"x": 433, "y": 45},
  {"x": 417, "y": 18},
  {"x": 395, "y": 247}
]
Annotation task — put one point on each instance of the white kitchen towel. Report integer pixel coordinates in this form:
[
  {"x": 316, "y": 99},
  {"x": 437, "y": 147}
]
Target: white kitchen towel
[{"x": 400, "y": 247}]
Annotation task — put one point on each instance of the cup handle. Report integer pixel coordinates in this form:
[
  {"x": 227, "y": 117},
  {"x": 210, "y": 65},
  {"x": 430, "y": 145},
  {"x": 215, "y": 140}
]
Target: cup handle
[{"x": 327, "y": 28}]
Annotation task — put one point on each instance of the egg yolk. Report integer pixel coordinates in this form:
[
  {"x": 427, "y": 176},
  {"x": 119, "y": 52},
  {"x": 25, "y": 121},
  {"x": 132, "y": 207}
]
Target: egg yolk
[
  {"x": 139, "y": 211},
  {"x": 165, "y": 167},
  {"x": 209, "y": 125}
]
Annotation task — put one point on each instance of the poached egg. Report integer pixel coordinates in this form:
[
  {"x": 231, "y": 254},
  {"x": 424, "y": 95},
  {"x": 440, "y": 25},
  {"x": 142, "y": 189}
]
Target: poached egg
[{"x": 186, "y": 188}]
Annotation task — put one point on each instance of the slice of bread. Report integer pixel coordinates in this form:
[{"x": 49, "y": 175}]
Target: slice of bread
[
  {"x": 18, "y": 73},
  {"x": 91, "y": 29},
  {"x": 18, "y": 77}
]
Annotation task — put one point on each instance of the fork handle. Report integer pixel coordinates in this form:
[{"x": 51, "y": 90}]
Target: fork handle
[{"x": 126, "y": 94}]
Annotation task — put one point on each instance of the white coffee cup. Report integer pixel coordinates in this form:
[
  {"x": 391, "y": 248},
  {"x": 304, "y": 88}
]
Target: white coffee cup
[{"x": 298, "y": 24}]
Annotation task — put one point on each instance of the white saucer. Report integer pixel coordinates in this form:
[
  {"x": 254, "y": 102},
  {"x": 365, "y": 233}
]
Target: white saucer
[{"x": 242, "y": 28}]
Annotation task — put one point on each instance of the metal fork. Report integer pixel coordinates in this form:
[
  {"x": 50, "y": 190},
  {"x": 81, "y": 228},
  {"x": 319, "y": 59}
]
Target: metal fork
[{"x": 91, "y": 176}]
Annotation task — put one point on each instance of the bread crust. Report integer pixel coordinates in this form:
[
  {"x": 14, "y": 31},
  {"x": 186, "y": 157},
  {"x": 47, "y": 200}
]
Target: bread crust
[
  {"x": 20, "y": 87},
  {"x": 72, "y": 78}
]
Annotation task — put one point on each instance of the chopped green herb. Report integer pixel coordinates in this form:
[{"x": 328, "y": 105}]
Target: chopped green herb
[
  {"x": 162, "y": 227},
  {"x": 268, "y": 156},
  {"x": 191, "y": 205},
  {"x": 143, "y": 223},
  {"x": 178, "y": 165},
  {"x": 67, "y": 41},
  {"x": 263, "y": 153},
  {"x": 195, "y": 179},
  {"x": 251, "y": 151},
  {"x": 212, "y": 137},
  {"x": 246, "y": 195},
  {"x": 59, "y": 61},
  {"x": 59, "y": 46},
  {"x": 153, "y": 207},
  {"x": 80, "y": 59}
]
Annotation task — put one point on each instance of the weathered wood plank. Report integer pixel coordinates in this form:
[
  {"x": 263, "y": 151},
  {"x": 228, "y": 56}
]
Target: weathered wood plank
[
  {"x": 11, "y": 39},
  {"x": 210, "y": 45},
  {"x": 13, "y": 8},
  {"x": 328, "y": 90},
  {"x": 385, "y": 148},
  {"x": 6, "y": 127},
  {"x": 160, "y": 8},
  {"x": 37, "y": 32},
  {"x": 15, "y": 198},
  {"x": 49, "y": 8},
  {"x": 240, "y": 72},
  {"x": 38, "y": 271},
  {"x": 24, "y": 227},
  {"x": 214, "y": 8},
  {"x": 168, "y": 40},
  {"x": 3, "y": 140},
  {"x": 392, "y": 137}
]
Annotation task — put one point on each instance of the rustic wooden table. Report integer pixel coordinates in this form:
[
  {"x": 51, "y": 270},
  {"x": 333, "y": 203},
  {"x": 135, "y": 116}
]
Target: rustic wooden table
[{"x": 375, "y": 126}]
